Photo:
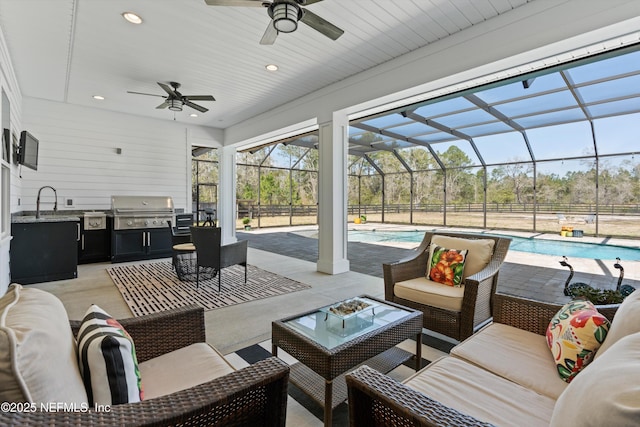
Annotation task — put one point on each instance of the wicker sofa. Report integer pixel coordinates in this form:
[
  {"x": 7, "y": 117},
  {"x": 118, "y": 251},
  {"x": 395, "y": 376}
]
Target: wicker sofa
[
  {"x": 185, "y": 381},
  {"x": 505, "y": 375}
]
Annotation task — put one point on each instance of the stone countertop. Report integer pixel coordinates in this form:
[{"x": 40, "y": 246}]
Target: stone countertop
[{"x": 27, "y": 219}]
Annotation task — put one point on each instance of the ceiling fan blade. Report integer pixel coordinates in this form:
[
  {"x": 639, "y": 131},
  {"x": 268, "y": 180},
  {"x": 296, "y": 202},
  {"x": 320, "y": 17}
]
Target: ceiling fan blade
[
  {"x": 321, "y": 25},
  {"x": 199, "y": 97},
  {"x": 308, "y": 2},
  {"x": 165, "y": 104},
  {"x": 168, "y": 89},
  {"x": 148, "y": 94},
  {"x": 270, "y": 34},
  {"x": 195, "y": 106},
  {"x": 245, "y": 3}
]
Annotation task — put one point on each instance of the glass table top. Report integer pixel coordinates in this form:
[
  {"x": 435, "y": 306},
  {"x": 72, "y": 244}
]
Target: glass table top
[{"x": 331, "y": 330}]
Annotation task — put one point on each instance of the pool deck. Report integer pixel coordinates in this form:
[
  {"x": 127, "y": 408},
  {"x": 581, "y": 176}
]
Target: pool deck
[{"x": 524, "y": 274}]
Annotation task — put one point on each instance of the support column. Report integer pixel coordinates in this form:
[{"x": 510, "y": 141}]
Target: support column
[
  {"x": 332, "y": 195},
  {"x": 227, "y": 209}
]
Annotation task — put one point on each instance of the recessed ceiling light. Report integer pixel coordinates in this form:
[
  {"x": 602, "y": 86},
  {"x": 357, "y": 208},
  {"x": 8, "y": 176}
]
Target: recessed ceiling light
[
  {"x": 271, "y": 67},
  {"x": 132, "y": 17},
  {"x": 98, "y": 97},
  {"x": 193, "y": 115}
]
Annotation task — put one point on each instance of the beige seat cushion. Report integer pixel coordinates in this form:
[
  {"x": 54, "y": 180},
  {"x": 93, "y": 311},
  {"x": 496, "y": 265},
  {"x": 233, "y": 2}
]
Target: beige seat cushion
[
  {"x": 182, "y": 369},
  {"x": 625, "y": 322},
  {"x": 605, "y": 393},
  {"x": 481, "y": 394},
  {"x": 427, "y": 292},
  {"x": 517, "y": 355},
  {"x": 38, "y": 359},
  {"x": 479, "y": 255}
]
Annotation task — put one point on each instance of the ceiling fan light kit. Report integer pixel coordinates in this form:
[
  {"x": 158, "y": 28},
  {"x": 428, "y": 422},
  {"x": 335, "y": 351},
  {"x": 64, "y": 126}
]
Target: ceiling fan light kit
[
  {"x": 285, "y": 16},
  {"x": 175, "y": 105}
]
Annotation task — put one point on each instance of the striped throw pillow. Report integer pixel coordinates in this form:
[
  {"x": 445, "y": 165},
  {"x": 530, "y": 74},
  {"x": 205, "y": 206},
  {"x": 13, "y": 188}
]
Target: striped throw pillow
[{"x": 108, "y": 362}]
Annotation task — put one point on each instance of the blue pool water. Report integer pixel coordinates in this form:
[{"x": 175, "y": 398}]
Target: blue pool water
[{"x": 538, "y": 246}]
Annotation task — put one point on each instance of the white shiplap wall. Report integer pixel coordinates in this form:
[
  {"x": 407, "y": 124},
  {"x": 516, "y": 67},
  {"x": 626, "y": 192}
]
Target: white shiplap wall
[
  {"x": 9, "y": 85},
  {"x": 78, "y": 156}
]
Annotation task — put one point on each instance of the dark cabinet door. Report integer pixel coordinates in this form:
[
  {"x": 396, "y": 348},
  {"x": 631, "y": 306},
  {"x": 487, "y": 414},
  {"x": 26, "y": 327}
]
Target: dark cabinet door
[
  {"x": 159, "y": 242},
  {"x": 128, "y": 245},
  {"x": 94, "y": 246},
  {"x": 44, "y": 251},
  {"x": 131, "y": 245}
]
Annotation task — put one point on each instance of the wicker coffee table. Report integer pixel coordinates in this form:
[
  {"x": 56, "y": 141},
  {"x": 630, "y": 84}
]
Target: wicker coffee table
[{"x": 327, "y": 345}]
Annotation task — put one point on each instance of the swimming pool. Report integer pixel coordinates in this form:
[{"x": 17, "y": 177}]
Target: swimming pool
[{"x": 521, "y": 244}]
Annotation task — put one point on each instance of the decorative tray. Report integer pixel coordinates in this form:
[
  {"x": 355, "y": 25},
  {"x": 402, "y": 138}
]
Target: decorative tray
[{"x": 349, "y": 308}]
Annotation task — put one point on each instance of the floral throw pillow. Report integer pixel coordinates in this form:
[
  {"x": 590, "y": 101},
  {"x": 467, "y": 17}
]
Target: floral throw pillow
[
  {"x": 574, "y": 335},
  {"x": 446, "y": 265}
]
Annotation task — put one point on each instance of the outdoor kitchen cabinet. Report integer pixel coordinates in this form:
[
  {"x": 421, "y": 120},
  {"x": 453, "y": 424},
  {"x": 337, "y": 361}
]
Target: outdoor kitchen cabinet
[
  {"x": 42, "y": 251},
  {"x": 95, "y": 241},
  {"x": 132, "y": 245}
]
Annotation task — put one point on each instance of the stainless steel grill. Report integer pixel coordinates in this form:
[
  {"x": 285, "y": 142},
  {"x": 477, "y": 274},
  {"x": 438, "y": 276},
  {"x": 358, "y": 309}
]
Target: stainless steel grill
[{"x": 135, "y": 212}]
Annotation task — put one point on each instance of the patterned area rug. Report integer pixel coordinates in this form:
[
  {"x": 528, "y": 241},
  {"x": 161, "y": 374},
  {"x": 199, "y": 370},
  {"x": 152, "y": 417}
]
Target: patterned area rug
[{"x": 154, "y": 287}]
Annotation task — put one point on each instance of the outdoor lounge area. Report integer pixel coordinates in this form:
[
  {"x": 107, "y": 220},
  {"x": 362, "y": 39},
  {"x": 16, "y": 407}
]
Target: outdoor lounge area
[
  {"x": 193, "y": 195},
  {"x": 235, "y": 330}
]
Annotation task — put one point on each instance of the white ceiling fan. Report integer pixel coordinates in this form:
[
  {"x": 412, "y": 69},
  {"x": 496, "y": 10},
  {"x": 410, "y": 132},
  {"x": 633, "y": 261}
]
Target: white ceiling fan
[{"x": 285, "y": 15}]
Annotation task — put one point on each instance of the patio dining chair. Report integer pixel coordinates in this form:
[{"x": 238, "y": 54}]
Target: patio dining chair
[{"x": 212, "y": 255}]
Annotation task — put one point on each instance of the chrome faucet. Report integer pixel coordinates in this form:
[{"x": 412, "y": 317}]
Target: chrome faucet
[{"x": 55, "y": 205}]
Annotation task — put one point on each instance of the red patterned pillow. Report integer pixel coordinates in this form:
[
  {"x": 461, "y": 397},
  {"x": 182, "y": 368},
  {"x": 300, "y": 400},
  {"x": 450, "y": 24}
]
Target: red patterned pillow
[
  {"x": 446, "y": 265},
  {"x": 574, "y": 335}
]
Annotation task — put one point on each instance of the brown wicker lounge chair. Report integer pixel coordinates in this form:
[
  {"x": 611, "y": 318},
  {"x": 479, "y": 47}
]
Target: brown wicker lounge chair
[
  {"x": 253, "y": 396},
  {"x": 478, "y": 287}
]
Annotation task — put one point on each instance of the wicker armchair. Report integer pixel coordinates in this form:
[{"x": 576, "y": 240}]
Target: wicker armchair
[
  {"x": 478, "y": 288},
  {"x": 253, "y": 396}
]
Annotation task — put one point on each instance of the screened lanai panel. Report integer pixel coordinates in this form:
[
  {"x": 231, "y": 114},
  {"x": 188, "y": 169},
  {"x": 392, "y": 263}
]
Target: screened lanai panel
[
  {"x": 486, "y": 129},
  {"x": 624, "y": 106},
  {"x": 456, "y": 154},
  {"x": 390, "y": 120},
  {"x": 428, "y": 198},
  {"x": 448, "y": 106},
  {"x": 513, "y": 91},
  {"x": 510, "y": 196},
  {"x": 465, "y": 194},
  {"x": 619, "y": 134},
  {"x": 418, "y": 158},
  {"x": 284, "y": 156},
  {"x": 618, "y": 192},
  {"x": 610, "y": 89},
  {"x": 617, "y": 65},
  {"x": 412, "y": 129},
  {"x": 397, "y": 191},
  {"x": 435, "y": 137},
  {"x": 552, "y": 118},
  {"x": 502, "y": 148},
  {"x": 357, "y": 165},
  {"x": 561, "y": 141},
  {"x": 466, "y": 118},
  {"x": 387, "y": 162},
  {"x": 538, "y": 105}
]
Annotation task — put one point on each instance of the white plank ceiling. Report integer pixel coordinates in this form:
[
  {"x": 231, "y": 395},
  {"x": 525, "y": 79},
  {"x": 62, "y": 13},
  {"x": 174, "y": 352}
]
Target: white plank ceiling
[{"x": 70, "y": 50}]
